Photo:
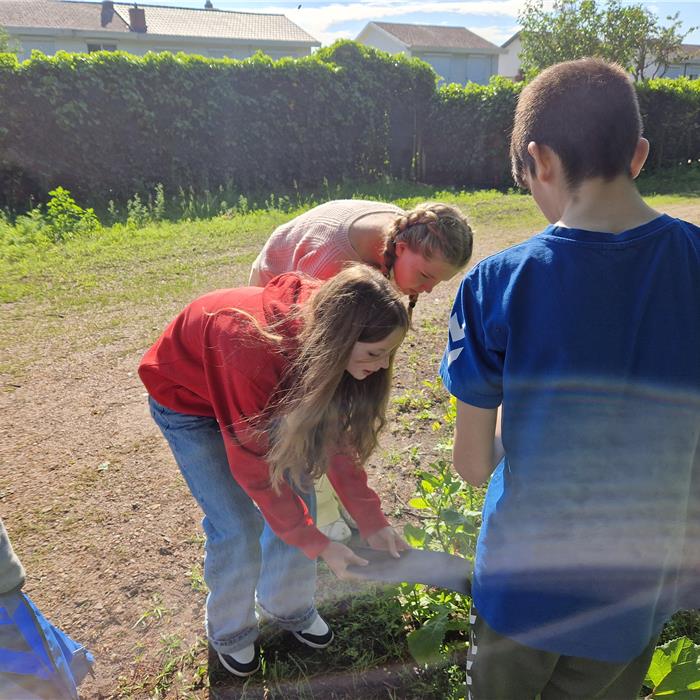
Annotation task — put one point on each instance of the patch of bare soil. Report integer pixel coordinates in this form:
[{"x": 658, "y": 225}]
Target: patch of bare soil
[{"x": 93, "y": 500}]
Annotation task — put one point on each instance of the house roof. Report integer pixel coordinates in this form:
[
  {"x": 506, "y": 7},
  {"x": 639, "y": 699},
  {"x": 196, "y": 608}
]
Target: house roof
[
  {"x": 51, "y": 14},
  {"x": 160, "y": 20},
  {"x": 511, "y": 40},
  {"x": 434, "y": 36},
  {"x": 692, "y": 50}
]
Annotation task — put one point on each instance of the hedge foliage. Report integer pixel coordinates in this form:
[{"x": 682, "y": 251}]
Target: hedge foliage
[
  {"x": 108, "y": 125},
  {"x": 671, "y": 113}
]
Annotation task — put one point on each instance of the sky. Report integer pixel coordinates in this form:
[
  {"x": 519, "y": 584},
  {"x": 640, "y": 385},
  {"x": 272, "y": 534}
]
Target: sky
[{"x": 495, "y": 20}]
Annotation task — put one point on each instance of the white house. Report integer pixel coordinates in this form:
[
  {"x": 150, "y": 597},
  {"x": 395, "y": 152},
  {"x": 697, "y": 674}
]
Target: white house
[
  {"x": 55, "y": 25},
  {"x": 689, "y": 66},
  {"x": 509, "y": 60},
  {"x": 456, "y": 54}
]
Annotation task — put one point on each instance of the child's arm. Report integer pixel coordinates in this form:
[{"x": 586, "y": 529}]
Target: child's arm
[{"x": 477, "y": 443}]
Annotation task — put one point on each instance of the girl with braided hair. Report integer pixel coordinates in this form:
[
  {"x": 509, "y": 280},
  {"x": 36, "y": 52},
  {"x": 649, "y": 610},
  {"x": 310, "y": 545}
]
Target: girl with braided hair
[{"x": 415, "y": 249}]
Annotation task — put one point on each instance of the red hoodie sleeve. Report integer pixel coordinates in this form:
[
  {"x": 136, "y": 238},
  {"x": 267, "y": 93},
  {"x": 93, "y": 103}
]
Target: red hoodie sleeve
[
  {"x": 350, "y": 483},
  {"x": 238, "y": 396}
]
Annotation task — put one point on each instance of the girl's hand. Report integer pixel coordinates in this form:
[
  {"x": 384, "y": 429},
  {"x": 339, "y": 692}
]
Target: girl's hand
[
  {"x": 388, "y": 540},
  {"x": 339, "y": 557}
]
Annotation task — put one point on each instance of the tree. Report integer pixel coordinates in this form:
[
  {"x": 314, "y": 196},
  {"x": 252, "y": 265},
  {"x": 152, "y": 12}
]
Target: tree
[
  {"x": 6, "y": 44},
  {"x": 629, "y": 35}
]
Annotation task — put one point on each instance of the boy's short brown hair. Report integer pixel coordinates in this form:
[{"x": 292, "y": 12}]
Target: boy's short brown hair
[{"x": 587, "y": 112}]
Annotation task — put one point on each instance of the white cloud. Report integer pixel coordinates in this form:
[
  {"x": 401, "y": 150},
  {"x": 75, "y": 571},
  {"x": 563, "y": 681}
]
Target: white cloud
[
  {"x": 319, "y": 19},
  {"x": 497, "y": 34}
]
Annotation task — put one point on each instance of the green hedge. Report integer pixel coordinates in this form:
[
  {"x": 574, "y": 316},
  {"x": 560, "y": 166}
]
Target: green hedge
[
  {"x": 108, "y": 125},
  {"x": 671, "y": 113},
  {"x": 467, "y": 139}
]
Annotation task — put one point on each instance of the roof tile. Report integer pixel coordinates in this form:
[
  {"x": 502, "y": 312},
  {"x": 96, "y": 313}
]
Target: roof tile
[
  {"x": 160, "y": 19},
  {"x": 433, "y": 36},
  {"x": 58, "y": 15}
]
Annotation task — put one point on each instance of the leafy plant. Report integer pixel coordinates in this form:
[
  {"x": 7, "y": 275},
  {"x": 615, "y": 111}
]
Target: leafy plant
[
  {"x": 450, "y": 524},
  {"x": 675, "y": 670},
  {"x": 65, "y": 218}
]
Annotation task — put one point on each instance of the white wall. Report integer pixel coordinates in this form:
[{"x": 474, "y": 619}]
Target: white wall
[
  {"x": 461, "y": 68},
  {"x": 379, "y": 39},
  {"x": 509, "y": 63},
  {"x": 691, "y": 69},
  {"x": 142, "y": 44}
]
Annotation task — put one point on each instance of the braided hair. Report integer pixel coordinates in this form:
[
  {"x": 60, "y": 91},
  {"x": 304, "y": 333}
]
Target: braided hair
[{"x": 429, "y": 228}]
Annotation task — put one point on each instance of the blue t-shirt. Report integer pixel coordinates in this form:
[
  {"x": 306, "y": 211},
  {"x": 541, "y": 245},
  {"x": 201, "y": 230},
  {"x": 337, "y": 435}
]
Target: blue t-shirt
[{"x": 591, "y": 341}]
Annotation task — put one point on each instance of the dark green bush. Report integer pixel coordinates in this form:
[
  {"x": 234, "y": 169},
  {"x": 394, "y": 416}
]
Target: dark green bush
[
  {"x": 671, "y": 113},
  {"x": 109, "y": 125},
  {"x": 467, "y": 137}
]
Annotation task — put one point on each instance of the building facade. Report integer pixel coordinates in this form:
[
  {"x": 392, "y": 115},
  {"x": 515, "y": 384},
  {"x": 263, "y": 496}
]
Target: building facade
[
  {"x": 56, "y": 25},
  {"x": 456, "y": 54}
]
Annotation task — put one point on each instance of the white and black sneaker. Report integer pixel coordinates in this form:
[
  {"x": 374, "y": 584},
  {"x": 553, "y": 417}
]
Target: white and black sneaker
[
  {"x": 317, "y": 635},
  {"x": 244, "y": 662}
]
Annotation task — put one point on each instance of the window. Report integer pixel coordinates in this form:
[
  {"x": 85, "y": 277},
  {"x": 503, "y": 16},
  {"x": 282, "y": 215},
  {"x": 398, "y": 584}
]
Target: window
[
  {"x": 28, "y": 45},
  {"x": 91, "y": 47}
]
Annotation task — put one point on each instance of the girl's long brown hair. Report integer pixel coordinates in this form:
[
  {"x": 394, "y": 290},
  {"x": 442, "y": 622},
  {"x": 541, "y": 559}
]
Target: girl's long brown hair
[{"x": 324, "y": 410}]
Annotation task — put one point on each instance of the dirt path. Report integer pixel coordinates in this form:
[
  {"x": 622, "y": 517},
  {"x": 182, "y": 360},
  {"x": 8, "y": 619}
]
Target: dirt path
[{"x": 90, "y": 494}]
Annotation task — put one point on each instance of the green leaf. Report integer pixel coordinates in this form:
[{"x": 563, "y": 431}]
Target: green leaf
[
  {"x": 418, "y": 503},
  {"x": 682, "y": 682},
  {"x": 427, "y": 486},
  {"x": 425, "y": 642},
  {"x": 680, "y": 650},
  {"x": 674, "y": 668},
  {"x": 659, "y": 668},
  {"x": 415, "y": 536}
]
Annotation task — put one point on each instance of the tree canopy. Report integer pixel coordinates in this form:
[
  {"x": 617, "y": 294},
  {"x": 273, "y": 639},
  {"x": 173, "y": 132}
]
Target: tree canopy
[{"x": 629, "y": 35}]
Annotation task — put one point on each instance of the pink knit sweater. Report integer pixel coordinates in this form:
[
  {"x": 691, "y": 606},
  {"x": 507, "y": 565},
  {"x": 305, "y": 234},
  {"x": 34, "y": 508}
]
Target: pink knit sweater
[{"x": 316, "y": 242}]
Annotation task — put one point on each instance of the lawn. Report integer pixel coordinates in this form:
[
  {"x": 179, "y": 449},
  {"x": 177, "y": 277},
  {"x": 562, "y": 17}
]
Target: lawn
[{"x": 98, "y": 513}]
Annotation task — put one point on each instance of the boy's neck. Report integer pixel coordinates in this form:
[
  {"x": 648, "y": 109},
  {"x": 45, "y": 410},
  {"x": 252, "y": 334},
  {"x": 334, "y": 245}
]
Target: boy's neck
[{"x": 610, "y": 206}]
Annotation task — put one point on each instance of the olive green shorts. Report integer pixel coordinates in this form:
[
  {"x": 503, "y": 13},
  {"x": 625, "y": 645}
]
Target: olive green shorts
[{"x": 499, "y": 668}]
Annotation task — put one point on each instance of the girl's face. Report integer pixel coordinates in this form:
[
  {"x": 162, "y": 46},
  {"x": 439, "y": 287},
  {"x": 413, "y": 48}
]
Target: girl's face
[
  {"x": 367, "y": 358},
  {"x": 415, "y": 274}
]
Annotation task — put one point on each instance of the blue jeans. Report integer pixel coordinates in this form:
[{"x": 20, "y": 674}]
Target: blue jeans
[{"x": 242, "y": 555}]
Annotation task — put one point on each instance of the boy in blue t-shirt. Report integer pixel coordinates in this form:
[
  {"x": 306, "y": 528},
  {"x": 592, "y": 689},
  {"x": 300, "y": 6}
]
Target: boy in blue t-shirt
[{"x": 588, "y": 337}]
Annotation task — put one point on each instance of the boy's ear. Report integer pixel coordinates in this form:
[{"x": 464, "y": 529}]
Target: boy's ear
[
  {"x": 641, "y": 153},
  {"x": 400, "y": 247},
  {"x": 544, "y": 160}
]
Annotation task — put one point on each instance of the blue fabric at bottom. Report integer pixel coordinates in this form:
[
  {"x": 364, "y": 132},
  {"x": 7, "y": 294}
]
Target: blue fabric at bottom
[{"x": 37, "y": 660}]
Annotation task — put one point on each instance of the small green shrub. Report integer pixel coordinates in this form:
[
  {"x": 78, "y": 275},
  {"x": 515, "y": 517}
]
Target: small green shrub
[{"x": 66, "y": 219}]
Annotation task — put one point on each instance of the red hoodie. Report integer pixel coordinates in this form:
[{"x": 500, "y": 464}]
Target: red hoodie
[{"x": 218, "y": 365}]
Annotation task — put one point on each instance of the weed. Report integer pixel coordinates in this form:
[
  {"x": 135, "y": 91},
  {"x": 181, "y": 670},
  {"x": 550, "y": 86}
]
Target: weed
[
  {"x": 182, "y": 672},
  {"x": 198, "y": 539},
  {"x": 411, "y": 400},
  {"x": 196, "y": 578},
  {"x": 156, "y": 613}
]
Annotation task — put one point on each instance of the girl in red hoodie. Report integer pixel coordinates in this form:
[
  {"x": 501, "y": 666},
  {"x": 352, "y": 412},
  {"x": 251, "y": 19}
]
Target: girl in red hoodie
[{"x": 260, "y": 391}]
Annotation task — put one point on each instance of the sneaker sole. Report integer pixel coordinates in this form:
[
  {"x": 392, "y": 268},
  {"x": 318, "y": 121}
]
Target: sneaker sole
[{"x": 314, "y": 645}]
